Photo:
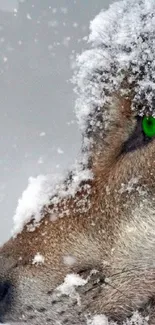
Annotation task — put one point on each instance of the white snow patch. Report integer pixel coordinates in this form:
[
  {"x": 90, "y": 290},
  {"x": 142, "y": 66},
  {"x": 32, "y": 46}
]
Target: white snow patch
[
  {"x": 44, "y": 190},
  {"x": 38, "y": 259},
  {"x": 71, "y": 281},
  {"x": 69, "y": 286},
  {"x": 136, "y": 319},
  {"x": 33, "y": 199},
  {"x": 121, "y": 44},
  {"x": 98, "y": 320}
]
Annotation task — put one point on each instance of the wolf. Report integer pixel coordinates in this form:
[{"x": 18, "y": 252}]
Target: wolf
[{"x": 104, "y": 233}]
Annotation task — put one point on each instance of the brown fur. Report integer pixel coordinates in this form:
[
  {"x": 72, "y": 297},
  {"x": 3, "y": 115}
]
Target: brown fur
[{"x": 114, "y": 235}]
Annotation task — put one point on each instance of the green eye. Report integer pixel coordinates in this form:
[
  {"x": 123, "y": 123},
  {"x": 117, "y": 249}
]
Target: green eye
[{"x": 148, "y": 125}]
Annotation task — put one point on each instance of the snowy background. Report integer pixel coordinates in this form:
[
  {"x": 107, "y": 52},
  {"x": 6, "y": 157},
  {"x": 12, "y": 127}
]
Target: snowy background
[{"x": 38, "y": 132}]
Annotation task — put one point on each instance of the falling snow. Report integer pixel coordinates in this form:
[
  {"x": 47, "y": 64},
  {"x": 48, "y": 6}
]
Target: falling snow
[
  {"x": 60, "y": 151},
  {"x": 42, "y": 134},
  {"x": 28, "y": 16}
]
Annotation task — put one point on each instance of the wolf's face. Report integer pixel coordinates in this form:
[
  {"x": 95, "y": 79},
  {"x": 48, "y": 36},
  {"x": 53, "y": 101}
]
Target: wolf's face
[{"x": 115, "y": 236}]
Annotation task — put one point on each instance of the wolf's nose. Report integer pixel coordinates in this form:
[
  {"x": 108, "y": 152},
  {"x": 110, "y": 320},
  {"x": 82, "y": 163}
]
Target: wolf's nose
[{"x": 4, "y": 290}]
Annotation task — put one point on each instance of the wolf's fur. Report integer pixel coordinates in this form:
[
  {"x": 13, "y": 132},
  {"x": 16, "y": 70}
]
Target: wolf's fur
[{"x": 115, "y": 235}]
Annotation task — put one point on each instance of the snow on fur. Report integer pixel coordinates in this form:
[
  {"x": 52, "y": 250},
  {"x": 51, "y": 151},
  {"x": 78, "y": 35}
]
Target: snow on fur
[
  {"x": 136, "y": 319},
  {"x": 38, "y": 259},
  {"x": 68, "y": 288},
  {"x": 120, "y": 57},
  {"x": 44, "y": 190},
  {"x": 33, "y": 199}
]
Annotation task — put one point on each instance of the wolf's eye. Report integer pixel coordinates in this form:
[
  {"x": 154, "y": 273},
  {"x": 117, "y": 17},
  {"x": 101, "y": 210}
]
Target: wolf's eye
[{"x": 148, "y": 125}]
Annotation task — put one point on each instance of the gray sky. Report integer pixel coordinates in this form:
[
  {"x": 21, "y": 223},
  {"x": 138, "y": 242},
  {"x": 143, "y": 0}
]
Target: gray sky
[
  {"x": 8, "y": 5},
  {"x": 38, "y": 132}
]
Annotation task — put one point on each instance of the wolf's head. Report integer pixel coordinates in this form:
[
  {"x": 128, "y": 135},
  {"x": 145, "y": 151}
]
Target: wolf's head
[{"x": 108, "y": 223}]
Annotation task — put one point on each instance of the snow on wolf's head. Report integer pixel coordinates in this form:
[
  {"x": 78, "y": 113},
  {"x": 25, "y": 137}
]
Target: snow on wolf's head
[{"x": 98, "y": 223}]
